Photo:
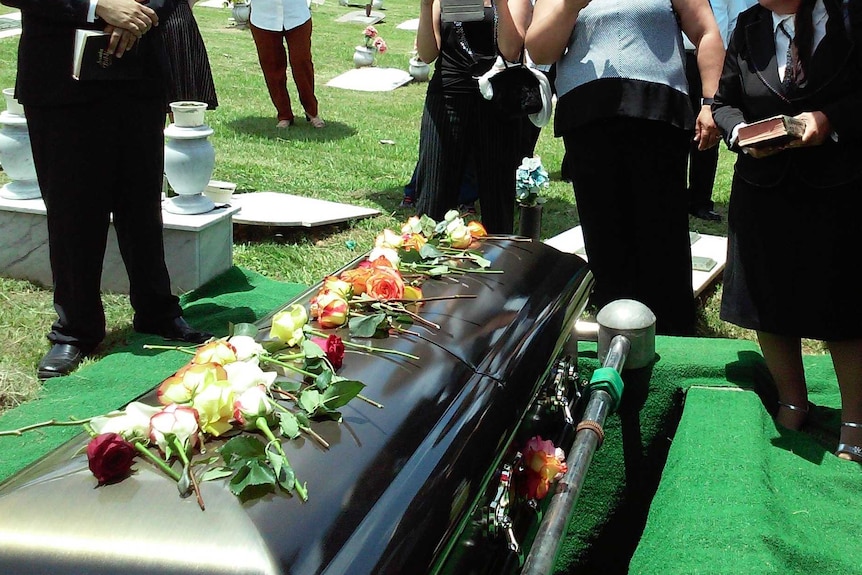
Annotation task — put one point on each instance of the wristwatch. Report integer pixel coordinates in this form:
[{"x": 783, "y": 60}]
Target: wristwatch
[{"x": 707, "y": 101}]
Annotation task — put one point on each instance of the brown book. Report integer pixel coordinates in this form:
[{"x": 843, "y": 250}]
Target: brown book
[
  {"x": 774, "y": 131},
  {"x": 91, "y": 60}
]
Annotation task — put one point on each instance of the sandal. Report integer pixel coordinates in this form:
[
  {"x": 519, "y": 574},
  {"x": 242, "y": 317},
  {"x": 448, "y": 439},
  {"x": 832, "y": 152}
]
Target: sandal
[
  {"x": 803, "y": 411},
  {"x": 284, "y": 124},
  {"x": 854, "y": 451},
  {"x": 316, "y": 121}
]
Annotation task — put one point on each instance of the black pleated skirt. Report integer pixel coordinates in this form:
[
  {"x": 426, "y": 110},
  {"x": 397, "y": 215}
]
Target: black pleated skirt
[
  {"x": 191, "y": 76},
  {"x": 792, "y": 255}
]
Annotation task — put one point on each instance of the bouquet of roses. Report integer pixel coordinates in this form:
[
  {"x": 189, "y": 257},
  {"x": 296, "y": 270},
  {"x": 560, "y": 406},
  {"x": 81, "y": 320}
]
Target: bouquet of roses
[
  {"x": 384, "y": 292},
  {"x": 373, "y": 40}
]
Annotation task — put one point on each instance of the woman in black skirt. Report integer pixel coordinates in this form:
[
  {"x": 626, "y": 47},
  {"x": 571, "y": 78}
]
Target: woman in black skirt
[
  {"x": 191, "y": 76},
  {"x": 794, "y": 208}
]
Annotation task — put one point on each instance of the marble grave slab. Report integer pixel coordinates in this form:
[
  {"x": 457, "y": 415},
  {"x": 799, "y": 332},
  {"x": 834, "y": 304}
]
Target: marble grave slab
[
  {"x": 278, "y": 209},
  {"x": 709, "y": 254},
  {"x": 371, "y": 79}
]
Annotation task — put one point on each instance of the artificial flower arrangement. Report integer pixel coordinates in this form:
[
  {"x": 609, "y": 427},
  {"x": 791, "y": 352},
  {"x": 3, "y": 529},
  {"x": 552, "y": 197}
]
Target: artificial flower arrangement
[
  {"x": 541, "y": 465},
  {"x": 274, "y": 385},
  {"x": 374, "y": 41},
  {"x": 530, "y": 178}
]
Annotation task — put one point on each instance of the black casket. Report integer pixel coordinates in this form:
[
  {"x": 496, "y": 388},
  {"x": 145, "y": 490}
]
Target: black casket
[{"x": 411, "y": 488}]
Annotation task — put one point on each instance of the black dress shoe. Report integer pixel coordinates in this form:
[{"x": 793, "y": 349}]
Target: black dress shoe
[
  {"x": 175, "y": 329},
  {"x": 61, "y": 359},
  {"x": 707, "y": 214}
]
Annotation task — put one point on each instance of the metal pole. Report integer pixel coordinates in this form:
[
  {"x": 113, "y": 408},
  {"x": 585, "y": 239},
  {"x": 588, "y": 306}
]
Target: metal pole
[{"x": 543, "y": 552}]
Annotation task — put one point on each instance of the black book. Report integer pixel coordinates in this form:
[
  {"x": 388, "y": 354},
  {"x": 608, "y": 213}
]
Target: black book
[{"x": 92, "y": 61}]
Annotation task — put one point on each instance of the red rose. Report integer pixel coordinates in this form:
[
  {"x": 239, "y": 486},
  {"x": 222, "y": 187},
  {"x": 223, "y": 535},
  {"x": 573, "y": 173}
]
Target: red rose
[
  {"x": 110, "y": 457},
  {"x": 334, "y": 348}
]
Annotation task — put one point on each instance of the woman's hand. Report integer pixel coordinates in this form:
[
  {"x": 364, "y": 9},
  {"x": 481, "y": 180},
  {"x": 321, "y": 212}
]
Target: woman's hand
[
  {"x": 706, "y": 132},
  {"x": 817, "y": 129}
]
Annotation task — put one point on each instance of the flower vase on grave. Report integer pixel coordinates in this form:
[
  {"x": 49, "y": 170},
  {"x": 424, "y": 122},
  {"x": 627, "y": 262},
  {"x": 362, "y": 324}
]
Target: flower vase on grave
[
  {"x": 419, "y": 70},
  {"x": 240, "y": 11},
  {"x": 189, "y": 163},
  {"x": 16, "y": 155},
  {"x": 363, "y": 56},
  {"x": 530, "y": 221},
  {"x": 377, "y": 4}
]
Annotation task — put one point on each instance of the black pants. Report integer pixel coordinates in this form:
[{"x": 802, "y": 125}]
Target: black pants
[
  {"x": 629, "y": 181},
  {"x": 454, "y": 128},
  {"x": 702, "y": 165},
  {"x": 94, "y": 161}
]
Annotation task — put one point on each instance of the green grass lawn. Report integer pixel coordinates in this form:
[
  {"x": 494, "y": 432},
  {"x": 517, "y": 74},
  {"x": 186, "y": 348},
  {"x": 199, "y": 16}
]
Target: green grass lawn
[{"x": 345, "y": 162}]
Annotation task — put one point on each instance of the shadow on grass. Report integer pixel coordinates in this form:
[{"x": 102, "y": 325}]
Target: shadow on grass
[{"x": 264, "y": 127}]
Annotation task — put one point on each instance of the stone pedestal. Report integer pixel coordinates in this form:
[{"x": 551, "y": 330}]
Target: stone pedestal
[{"x": 197, "y": 247}]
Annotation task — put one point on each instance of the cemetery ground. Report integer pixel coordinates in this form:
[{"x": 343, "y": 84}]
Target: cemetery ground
[{"x": 364, "y": 156}]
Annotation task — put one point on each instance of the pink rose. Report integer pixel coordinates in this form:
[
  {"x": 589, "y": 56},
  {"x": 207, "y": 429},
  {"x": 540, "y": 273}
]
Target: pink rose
[
  {"x": 543, "y": 464},
  {"x": 110, "y": 457}
]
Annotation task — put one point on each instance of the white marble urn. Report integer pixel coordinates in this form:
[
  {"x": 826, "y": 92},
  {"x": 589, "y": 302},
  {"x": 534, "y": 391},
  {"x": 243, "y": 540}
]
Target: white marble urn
[
  {"x": 189, "y": 163},
  {"x": 16, "y": 155}
]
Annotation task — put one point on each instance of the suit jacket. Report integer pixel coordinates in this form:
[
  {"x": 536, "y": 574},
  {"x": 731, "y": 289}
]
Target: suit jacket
[
  {"x": 45, "y": 56},
  {"x": 750, "y": 90}
]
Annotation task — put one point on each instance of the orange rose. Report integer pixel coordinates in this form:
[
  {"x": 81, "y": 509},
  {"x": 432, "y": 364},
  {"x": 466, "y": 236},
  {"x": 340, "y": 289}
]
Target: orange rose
[
  {"x": 477, "y": 230},
  {"x": 385, "y": 283},
  {"x": 413, "y": 242},
  {"x": 381, "y": 262},
  {"x": 357, "y": 278}
]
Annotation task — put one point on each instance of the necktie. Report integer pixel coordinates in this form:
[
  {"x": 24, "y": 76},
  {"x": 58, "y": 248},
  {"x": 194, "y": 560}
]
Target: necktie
[{"x": 793, "y": 73}]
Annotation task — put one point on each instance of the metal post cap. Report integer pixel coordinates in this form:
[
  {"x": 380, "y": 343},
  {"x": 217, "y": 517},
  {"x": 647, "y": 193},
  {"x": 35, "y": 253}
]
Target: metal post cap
[{"x": 634, "y": 321}]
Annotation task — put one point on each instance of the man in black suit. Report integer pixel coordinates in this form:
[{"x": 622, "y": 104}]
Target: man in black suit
[{"x": 98, "y": 147}]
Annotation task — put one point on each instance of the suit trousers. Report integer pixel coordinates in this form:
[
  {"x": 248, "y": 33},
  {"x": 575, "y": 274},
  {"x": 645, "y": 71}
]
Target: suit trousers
[
  {"x": 95, "y": 161},
  {"x": 702, "y": 164},
  {"x": 629, "y": 180},
  {"x": 273, "y": 63}
]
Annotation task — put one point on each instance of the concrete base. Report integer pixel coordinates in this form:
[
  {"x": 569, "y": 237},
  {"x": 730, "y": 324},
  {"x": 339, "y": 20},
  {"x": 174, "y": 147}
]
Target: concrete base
[
  {"x": 197, "y": 247},
  {"x": 708, "y": 252}
]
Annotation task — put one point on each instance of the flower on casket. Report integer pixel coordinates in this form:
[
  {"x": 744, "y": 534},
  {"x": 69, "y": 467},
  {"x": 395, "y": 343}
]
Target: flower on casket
[
  {"x": 110, "y": 457},
  {"x": 333, "y": 346},
  {"x": 287, "y": 324},
  {"x": 251, "y": 404},
  {"x": 542, "y": 465},
  {"x": 330, "y": 308}
]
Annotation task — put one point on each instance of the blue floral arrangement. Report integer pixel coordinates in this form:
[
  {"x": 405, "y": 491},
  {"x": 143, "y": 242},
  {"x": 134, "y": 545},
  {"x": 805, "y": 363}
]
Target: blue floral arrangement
[{"x": 530, "y": 178}]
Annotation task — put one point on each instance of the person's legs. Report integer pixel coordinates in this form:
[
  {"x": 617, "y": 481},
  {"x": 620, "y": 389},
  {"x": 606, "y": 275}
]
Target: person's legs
[
  {"x": 495, "y": 156},
  {"x": 302, "y": 67},
  {"x": 67, "y": 144},
  {"x": 442, "y": 154},
  {"x": 137, "y": 208},
  {"x": 847, "y": 359},
  {"x": 783, "y": 356},
  {"x": 273, "y": 63}
]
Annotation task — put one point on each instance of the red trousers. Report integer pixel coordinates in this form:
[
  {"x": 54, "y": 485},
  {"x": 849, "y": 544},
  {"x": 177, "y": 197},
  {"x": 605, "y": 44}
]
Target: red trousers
[{"x": 273, "y": 63}]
